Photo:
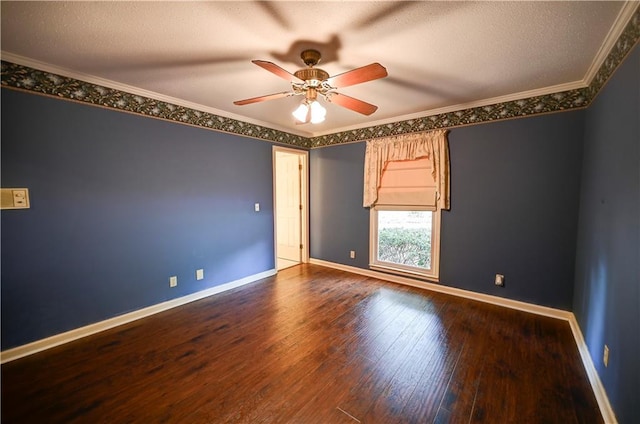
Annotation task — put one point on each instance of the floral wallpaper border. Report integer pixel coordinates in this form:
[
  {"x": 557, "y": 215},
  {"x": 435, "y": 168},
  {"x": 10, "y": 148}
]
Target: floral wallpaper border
[
  {"x": 25, "y": 78},
  {"x": 556, "y": 102},
  {"x": 41, "y": 82}
]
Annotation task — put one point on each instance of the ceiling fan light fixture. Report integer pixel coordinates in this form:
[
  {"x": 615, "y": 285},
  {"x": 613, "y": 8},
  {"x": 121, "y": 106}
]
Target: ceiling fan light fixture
[
  {"x": 317, "y": 111},
  {"x": 301, "y": 112}
]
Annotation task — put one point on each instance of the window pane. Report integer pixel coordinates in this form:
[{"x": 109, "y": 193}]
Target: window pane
[{"x": 404, "y": 237}]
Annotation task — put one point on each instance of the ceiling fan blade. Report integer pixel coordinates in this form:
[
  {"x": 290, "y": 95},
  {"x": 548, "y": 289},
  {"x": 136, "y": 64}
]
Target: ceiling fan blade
[
  {"x": 264, "y": 98},
  {"x": 352, "y": 103},
  {"x": 358, "y": 75},
  {"x": 276, "y": 70}
]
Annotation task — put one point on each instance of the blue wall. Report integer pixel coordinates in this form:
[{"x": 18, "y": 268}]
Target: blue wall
[
  {"x": 514, "y": 191},
  {"x": 338, "y": 222},
  {"x": 118, "y": 204},
  {"x": 607, "y": 284}
]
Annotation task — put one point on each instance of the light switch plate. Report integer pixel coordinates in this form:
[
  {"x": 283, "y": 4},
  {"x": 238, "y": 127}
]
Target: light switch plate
[{"x": 14, "y": 198}]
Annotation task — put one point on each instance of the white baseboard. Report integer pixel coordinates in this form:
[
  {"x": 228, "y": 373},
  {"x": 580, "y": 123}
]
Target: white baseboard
[
  {"x": 66, "y": 337},
  {"x": 596, "y": 384},
  {"x": 501, "y": 301}
]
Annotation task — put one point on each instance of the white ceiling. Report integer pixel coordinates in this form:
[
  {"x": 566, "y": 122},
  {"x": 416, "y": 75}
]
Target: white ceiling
[{"x": 440, "y": 56}]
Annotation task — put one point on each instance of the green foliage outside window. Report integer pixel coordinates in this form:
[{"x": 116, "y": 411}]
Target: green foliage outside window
[{"x": 406, "y": 246}]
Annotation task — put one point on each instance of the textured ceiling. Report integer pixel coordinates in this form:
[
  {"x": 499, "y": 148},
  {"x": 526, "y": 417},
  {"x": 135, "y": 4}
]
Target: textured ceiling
[{"x": 440, "y": 56}]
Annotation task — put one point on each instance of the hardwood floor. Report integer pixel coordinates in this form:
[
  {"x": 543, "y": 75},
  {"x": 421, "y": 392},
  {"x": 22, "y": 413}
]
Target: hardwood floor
[
  {"x": 282, "y": 263},
  {"x": 311, "y": 345}
]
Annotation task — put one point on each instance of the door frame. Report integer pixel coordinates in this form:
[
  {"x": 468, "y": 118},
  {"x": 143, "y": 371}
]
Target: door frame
[{"x": 304, "y": 201}]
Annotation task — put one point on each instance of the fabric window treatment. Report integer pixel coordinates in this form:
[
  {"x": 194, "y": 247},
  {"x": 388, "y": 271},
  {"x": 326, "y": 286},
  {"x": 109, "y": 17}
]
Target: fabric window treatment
[
  {"x": 433, "y": 146},
  {"x": 408, "y": 183}
]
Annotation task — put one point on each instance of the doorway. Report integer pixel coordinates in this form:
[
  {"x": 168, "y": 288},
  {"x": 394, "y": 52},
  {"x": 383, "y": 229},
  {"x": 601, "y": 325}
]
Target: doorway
[{"x": 290, "y": 171}]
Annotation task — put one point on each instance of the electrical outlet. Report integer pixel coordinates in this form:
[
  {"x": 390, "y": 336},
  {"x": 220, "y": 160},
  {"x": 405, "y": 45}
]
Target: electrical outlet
[
  {"x": 352, "y": 254},
  {"x": 173, "y": 281},
  {"x": 199, "y": 274},
  {"x": 605, "y": 356},
  {"x": 256, "y": 207},
  {"x": 499, "y": 280}
]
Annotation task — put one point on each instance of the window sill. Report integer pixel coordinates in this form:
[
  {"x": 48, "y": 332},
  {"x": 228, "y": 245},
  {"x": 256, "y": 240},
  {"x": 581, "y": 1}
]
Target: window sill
[{"x": 404, "y": 273}]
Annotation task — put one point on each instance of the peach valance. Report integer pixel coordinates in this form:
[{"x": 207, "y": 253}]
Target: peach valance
[{"x": 433, "y": 145}]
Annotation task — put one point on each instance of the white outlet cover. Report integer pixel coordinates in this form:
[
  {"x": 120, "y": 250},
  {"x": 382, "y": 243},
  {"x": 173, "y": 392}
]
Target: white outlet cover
[
  {"x": 173, "y": 281},
  {"x": 199, "y": 274}
]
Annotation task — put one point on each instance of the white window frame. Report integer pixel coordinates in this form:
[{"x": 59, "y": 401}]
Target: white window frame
[{"x": 433, "y": 274}]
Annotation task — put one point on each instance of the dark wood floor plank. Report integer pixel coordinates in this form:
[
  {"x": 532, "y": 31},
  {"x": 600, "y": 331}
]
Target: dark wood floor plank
[
  {"x": 311, "y": 345},
  {"x": 290, "y": 348},
  {"x": 290, "y": 383},
  {"x": 296, "y": 351},
  {"x": 476, "y": 342},
  {"x": 322, "y": 406},
  {"x": 443, "y": 349},
  {"x": 383, "y": 345},
  {"x": 404, "y": 363}
]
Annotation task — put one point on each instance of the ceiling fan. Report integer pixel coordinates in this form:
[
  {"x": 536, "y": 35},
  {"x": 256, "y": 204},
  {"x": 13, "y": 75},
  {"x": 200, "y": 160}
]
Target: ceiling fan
[{"x": 312, "y": 81}]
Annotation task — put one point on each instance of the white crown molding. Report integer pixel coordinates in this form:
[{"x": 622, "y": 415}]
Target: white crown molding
[
  {"x": 69, "y": 336},
  {"x": 558, "y": 88},
  {"x": 592, "y": 374},
  {"x": 625, "y": 14},
  {"x": 92, "y": 79},
  {"x": 46, "y": 67}
]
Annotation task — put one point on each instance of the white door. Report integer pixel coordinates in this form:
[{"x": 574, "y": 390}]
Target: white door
[{"x": 288, "y": 206}]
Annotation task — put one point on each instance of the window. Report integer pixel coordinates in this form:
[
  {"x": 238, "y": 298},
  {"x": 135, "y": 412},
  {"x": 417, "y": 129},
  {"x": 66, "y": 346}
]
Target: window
[
  {"x": 405, "y": 226},
  {"x": 405, "y": 241},
  {"x": 406, "y": 185}
]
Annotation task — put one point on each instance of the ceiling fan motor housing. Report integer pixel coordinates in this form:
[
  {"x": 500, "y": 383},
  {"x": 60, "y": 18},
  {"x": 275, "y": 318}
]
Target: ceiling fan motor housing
[
  {"x": 312, "y": 74},
  {"x": 310, "y": 57}
]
